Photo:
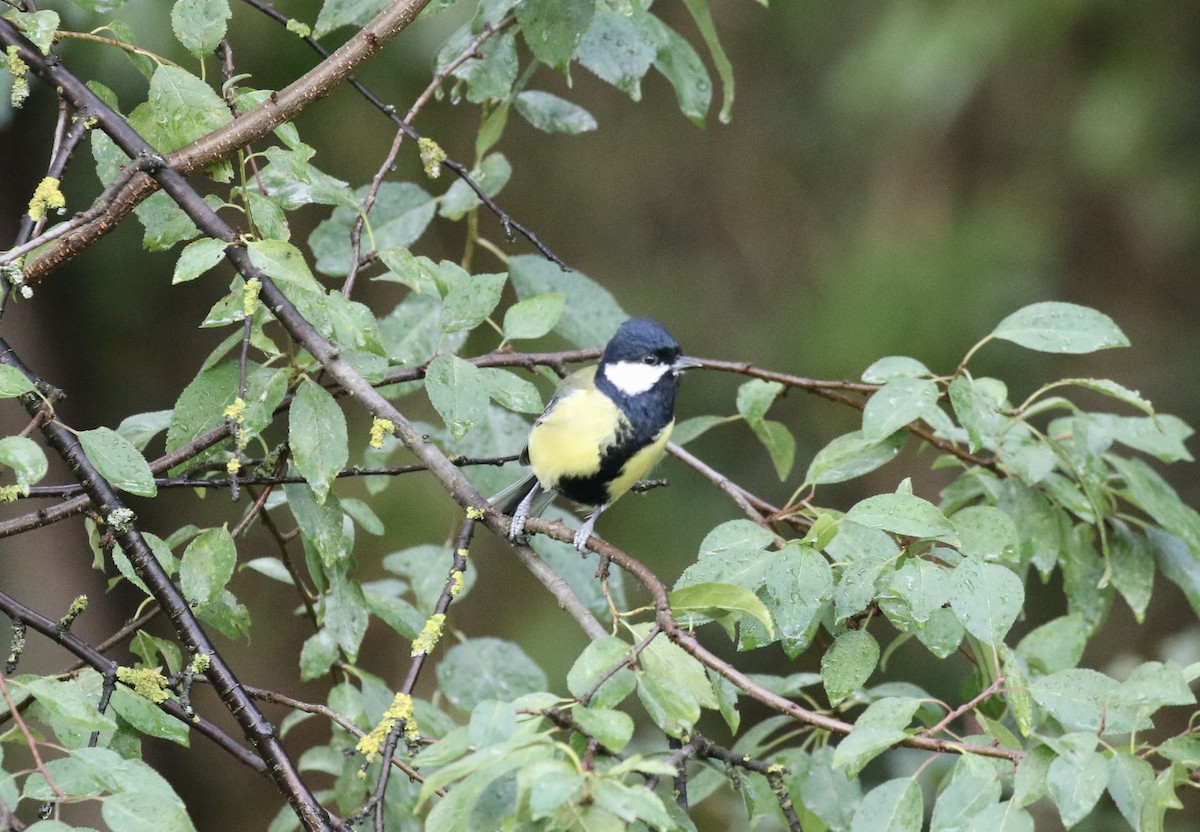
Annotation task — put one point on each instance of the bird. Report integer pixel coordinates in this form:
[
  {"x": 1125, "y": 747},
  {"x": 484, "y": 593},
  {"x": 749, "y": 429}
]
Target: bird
[{"x": 605, "y": 427}]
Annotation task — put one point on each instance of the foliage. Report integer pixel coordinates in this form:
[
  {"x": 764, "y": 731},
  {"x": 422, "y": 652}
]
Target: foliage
[{"x": 1053, "y": 488}]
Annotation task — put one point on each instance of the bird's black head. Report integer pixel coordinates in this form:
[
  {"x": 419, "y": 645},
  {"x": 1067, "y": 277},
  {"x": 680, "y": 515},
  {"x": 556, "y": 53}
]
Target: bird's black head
[
  {"x": 640, "y": 368},
  {"x": 642, "y": 340}
]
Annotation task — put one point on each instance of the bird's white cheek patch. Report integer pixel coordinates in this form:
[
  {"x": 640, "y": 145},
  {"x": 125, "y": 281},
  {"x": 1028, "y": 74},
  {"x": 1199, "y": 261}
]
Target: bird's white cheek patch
[{"x": 634, "y": 377}]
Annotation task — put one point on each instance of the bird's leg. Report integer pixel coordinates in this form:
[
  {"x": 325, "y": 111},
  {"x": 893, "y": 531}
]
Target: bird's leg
[
  {"x": 585, "y": 531},
  {"x": 522, "y": 513}
]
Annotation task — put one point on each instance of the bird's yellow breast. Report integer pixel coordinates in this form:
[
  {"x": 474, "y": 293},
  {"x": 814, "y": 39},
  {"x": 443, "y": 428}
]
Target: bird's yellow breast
[{"x": 570, "y": 440}]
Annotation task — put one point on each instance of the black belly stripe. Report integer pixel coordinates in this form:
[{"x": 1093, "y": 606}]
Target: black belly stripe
[{"x": 593, "y": 490}]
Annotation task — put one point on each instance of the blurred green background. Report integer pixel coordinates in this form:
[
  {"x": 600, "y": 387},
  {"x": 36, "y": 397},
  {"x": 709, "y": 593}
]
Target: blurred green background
[{"x": 898, "y": 176}]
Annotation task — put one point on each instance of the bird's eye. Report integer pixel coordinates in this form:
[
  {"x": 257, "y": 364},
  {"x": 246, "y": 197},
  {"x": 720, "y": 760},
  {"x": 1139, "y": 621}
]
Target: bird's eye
[{"x": 650, "y": 359}]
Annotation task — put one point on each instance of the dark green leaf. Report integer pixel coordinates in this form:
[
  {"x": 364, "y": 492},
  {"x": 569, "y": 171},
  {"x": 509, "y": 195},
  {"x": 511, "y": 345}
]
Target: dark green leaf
[
  {"x": 317, "y": 437},
  {"x": 534, "y": 317},
  {"x": 986, "y": 598},
  {"x": 894, "y": 405},
  {"x": 894, "y": 806},
  {"x": 551, "y": 114},
  {"x": 13, "y": 382},
  {"x": 338, "y": 13},
  {"x": 852, "y": 455},
  {"x": 1054, "y": 646},
  {"x": 492, "y": 175},
  {"x": 848, "y": 664},
  {"x": 722, "y": 602},
  {"x": 346, "y": 615},
  {"x": 894, "y": 367},
  {"x": 1075, "y": 784},
  {"x": 674, "y": 710},
  {"x": 1060, "y": 327},
  {"x": 553, "y": 28},
  {"x": 141, "y": 428},
  {"x": 399, "y": 217},
  {"x": 487, "y": 668},
  {"x": 200, "y": 24},
  {"x": 619, "y": 48},
  {"x": 679, "y": 64},
  {"x": 26, "y": 459},
  {"x": 457, "y": 392},
  {"x": 470, "y": 298},
  {"x": 613, "y": 729},
  {"x": 878, "y": 728},
  {"x": 181, "y": 109},
  {"x": 118, "y": 461},
  {"x": 704, "y": 22},
  {"x": 598, "y": 659},
  {"x": 207, "y": 565},
  {"x": 320, "y": 525},
  {"x": 986, "y": 532},
  {"x": 904, "y": 514},
  {"x": 591, "y": 315}
]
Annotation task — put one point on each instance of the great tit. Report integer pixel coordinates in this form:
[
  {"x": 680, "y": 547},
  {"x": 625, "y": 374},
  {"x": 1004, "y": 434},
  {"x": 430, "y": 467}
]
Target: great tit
[{"x": 604, "y": 429}]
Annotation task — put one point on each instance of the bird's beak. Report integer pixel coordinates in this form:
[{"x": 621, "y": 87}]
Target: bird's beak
[{"x": 684, "y": 363}]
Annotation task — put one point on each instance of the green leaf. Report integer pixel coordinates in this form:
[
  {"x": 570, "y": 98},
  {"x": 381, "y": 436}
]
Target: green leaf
[
  {"x": 848, "y": 664},
  {"x": 1083, "y": 700},
  {"x": 317, "y": 655},
  {"x": 181, "y": 108},
  {"x": 1146, "y": 489},
  {"x": 1060, "y": 327},
  {"x": 553, "y": 28},
  {"x": 904, "y": 514},
  {"x": 755, "y": 397},
  {"x": 895, "y": 405},
  {"x": 794, "y": 583},
  {"x": 961, "y": 801},
  {"x": 679, "y": 64},
  {"x": 551, "y": 114},
  {"x": 921, "y": 586},
  {"x": 856, "y": 586},
  {"x": 986, "y": 598},
  {"x": 317, "y": 437},
  {"x": 1075, "y": 784},
  {"x": 13, "y": 382},
  {"x": 1002, "y": 817},
  {"x": 207, "y": 565},
  {"x": 591, "y": 315},
  {"x": 877, "y": 729},
  {"x": 487, "y": 668},
  {"x": 631, "y": 803},
  {"x": 852, "y": 455},
  {"x": 1054, "y": 646},
  {"x": 692, "y": 428},
  {"x": 338, "y": 13},
  {"x": 674, "y": 710},
  {"x": 400, "y": 215},
  {"x": 490, "y": 77},
  {"x": 619, "y": 48},
  {"x": 674, "y": 668},
  {"x": 320, "y": 525},
  {"x": 40, "y": 27},
  {"x": 534, "y": 317},
  {"x": 457, "y": 392},
  {"x": 976, "y": 403},
  {"x": 597, "y": 659},
  {"x": 141, "y": 428},
  {"x": 200, "y": 24},
  {"x": 1161, "y": 436},
  {"x": 26, "y": 458},
  {"x": 780, "y": 445},
  {"x": 704, "y": 22},
  {"x": 894, "y": 806},
  {"x": 412, "y": 333},
  {"x": 118, "y": 461},
  {"x": 510, "y": 390},
  {"x": 894, "y": 367},
  {"x": 491, "y": 176},
  {"x": 1130, "y": 782},
  {"x": 725, "y": 603},
  {"x": 986, "y": 532},
  {"x": 470, "y": 299},
  {"x": 67, "y": 704},
  {"x": 612, "y": 729},
  {"x": 346, "y": 615},
  {"x": 146, "y": 718}
]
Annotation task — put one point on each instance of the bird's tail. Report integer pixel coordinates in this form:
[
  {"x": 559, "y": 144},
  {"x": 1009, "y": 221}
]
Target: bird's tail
[{"x": 509, "y": 497}]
